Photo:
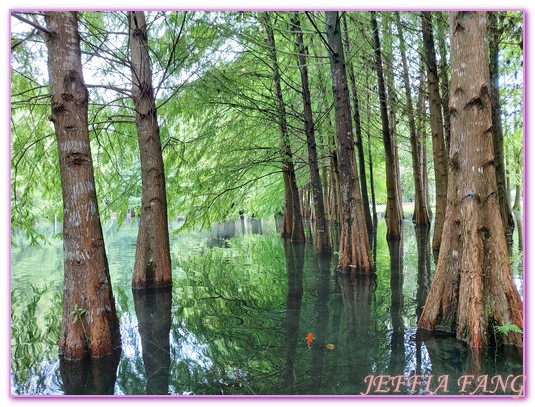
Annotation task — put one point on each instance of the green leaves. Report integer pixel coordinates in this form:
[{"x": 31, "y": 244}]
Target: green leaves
[
  {"x": 77, "y": 313},
  {"x": 507, "y": 328}
]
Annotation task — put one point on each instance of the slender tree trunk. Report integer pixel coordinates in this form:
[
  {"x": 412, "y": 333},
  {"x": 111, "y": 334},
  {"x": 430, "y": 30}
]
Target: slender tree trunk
[
  {"x": 473, "y": 289},
  {"x": 370, "y": 159},
  {"x": 437, "y": 129},
  {"x": 287, "y": 216},
  {"x": 323, "y": 244},
  {"x": 444, "y": 83},
  {"x": 90, "y": 326},
  {"x": 153, "y": 261},
  {"x": 393, "y": 211},
  {"x": 354, "y": 254},
  {"x": 358, "y": 132},
  {"x": 298, "y": 232},
  {"x": 421, "y": 215},
  {"x": 497, "y": 134},
  {"x": 392, "y": 103},
  {"x": 421, "y": 139}
]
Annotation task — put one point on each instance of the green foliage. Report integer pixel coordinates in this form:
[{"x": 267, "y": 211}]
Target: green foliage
[
  {"x": 507, "y": 328},
  {"x": 77, "y": 313}
]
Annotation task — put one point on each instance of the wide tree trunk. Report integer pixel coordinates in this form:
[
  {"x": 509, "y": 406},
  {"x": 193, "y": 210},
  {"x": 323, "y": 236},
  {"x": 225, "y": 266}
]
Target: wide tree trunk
[
  {"x": 473, "y": 289},
  {"x": 497, "y": 134},
  {"x": 90, "y": 326},
  {"x": 421, "y": 215},
  {"x": 437, "y": 129},
  {"x": 153, "y": 261},
  {"x": 358, "y": 132},
  {"x": 298, "y": 232},
  {"x": 323, "y": 243},
  {"x": 354, "y": 253},
  {"x": 394, "y": 215}
]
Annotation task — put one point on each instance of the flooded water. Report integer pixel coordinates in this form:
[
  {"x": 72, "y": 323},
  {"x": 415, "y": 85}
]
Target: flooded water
[{"x": 237, "y": 318}]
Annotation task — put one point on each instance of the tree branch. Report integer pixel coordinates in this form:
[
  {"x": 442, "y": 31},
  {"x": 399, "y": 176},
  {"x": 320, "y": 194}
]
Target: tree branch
[{"x": 32, "y": 23}]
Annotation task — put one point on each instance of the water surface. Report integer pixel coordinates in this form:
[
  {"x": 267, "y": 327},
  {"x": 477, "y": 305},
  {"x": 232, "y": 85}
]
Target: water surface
[{"x": 237, "y": 317}]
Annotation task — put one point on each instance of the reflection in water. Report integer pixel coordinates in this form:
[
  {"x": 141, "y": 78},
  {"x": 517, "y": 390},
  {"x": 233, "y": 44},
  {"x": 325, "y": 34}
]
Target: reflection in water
[
  {"x": 153, "y": 311},
  {"x": 320, "y": 329},
  {"x": 423, "y": 281},
  {"x": 357, "y": 293},
  {"x": 397, "y": 343},
  {"x": 90, "y": 376},
  {"x": 239, "y": 317},
  {"x": 295, "y": 256}
]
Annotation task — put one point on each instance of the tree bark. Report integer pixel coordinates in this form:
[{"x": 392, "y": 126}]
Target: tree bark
[
  {"x": 358, "y": 132},
  {"x": 298, "y": 232},
  {"x": 421, "y": 139},
  {"x": 394, "y": 214},
  {"x": 444, "y": 84},
  {"x": 322, "y": 243},
  {"x": 90, "y": 326},
  {"x": 437, "y": 129},
  {"x": 421, "y": 215},
  {"x": 370, "y": 159},
  {"x": 153, "y": 261},
  {"x": 354, "y": 253},
  {"x": 391, "y": 100},
  {"x": 473, "y": 289},
  {"x": 497, "y": 134}
]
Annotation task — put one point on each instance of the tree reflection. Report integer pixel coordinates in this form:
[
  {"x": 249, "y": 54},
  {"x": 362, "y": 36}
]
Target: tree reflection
[
  {"x": 423, "y": 281},
  {"x": 295, "y": 257},
  {"x": 89, "y": 376},
  {"x": 397, "y": 342},
  {"x": 153, "y": 311},
  {"x": 320, "y": 329},
  {"x": 357, "y": 293}
]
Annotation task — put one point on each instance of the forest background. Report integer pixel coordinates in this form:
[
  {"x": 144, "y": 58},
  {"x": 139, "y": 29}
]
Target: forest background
[{"x": 5, "y": 158}]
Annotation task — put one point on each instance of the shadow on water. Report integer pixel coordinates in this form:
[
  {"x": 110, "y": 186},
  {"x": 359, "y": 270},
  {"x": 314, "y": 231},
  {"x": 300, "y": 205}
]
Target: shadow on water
[
  {"x": 89, "y": 376},
  {"x": 153, "y": 311}
]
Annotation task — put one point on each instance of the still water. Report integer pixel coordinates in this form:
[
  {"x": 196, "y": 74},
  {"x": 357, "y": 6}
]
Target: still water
[{"x": 237, "y": 319}]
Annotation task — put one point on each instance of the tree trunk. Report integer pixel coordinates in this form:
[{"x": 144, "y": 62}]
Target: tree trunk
[
  {"x": 393, "y": 209},
  {"x": 370, "y": 159},
  {"x": 473, "y": 289},
  {"x": 497, "y": 134},
  {"x": 323, "y": 244},
  {"x": 90, "y": 326},
  {"x": 421, "y": 140},
  {"x": 358, "y": 132},
  {"x": 421, "y": 215},
  {"x": 437, "y": 129},
  {"x": 444, "y": 84},
  {"x": 298, "y": 232},
  {"x": 153, "y": 261},
  {"x": 354, "y": 254}
]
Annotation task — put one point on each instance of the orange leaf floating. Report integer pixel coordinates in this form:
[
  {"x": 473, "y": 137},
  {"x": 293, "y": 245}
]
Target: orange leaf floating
[
  {"x": 310, "y": 338},
  {"x": 330, "y": 346}
]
